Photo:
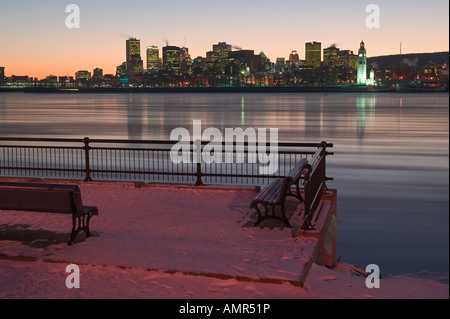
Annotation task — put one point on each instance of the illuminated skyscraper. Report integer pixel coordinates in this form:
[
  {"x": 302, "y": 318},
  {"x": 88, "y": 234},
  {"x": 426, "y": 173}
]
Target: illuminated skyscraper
[
  {"x": 97, "y": 74},
  {"x": 245, "y": 60},
  {"x": 280, "y": 64},
  {"x": 153, "y": 60},
  {"x": 172, "y": 57},
  {"x": 313, "y": 53},
  {"x": 330, "y": 56},
  {"x": 221, "y": 51},
  {"x": 347, "y": 59},
  {"x": 186, "y": 61},
  {"x": 83, "y": 77},
  {"x": 362, "y": 65},
  {"x": 134, "y": 61},
  {"x": 294, "y": 59},
  {"x": 121, "y": 70}
]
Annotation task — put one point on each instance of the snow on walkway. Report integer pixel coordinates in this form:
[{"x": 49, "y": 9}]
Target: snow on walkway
[
  {"x": 169, "y": 228},
  {"x": 173, "y": 242}
]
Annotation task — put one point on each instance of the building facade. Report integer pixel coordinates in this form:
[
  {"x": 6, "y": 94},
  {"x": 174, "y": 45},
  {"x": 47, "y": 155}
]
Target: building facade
[
  {"x": 82, "y": 75},
  {"x": 97, "y": 75},
  {"x": 186, "y": 62},
  {"x": 294, "y": 59},
  {"x": 134, "y": 61},
  {"x": 347, "y": 59},
  {"x": 153, "y": 59},
  {"x": 172, "y": 57},
  {"x": 313, "y": 54},
  {"x": 330, "y": 56}
]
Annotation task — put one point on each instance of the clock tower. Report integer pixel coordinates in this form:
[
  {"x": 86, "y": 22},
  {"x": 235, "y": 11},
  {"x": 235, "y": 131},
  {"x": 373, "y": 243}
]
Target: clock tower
[{"x": 362, "y": 64}]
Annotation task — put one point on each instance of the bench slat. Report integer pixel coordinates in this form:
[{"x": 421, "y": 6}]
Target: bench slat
[
  {"x": 271, "y": 192},
  {"x": 46, "y": 201}
]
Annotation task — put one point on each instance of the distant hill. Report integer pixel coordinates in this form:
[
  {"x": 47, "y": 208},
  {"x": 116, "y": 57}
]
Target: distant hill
[{"x": 413, "y": 59}]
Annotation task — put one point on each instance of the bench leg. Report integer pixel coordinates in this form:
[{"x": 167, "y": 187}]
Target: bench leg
[
  {"x": 298, "y": 194},
  {"x": 260, "y": 217},
  {"x": 283, "y": 217},
  {"x": 79, "y": 224}
]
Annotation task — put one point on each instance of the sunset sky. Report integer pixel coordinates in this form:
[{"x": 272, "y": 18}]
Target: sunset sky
[{"x": 35, "y": 41}]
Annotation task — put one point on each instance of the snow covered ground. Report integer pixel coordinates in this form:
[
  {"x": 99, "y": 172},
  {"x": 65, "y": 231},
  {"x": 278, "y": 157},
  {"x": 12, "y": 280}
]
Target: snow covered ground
[{"x": 175, "y": 243}]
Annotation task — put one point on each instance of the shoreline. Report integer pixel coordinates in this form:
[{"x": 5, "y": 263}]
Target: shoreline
[{"x": 327, "y": 89}]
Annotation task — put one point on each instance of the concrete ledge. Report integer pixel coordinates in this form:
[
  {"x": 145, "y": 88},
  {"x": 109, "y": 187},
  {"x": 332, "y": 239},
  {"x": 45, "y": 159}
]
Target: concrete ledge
[{"x": 323, "y": 215}]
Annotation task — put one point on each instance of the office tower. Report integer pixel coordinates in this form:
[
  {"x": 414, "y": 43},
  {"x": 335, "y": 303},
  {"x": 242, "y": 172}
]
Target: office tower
[
  {"x": 294, "y": 59},
  {"x": 83, "y": 75},
  {"x": 245, "y": 59},
  {"x": 280, "y": 64},
  {"x": 153, "y": 60},
  {"x": 330, "y": 56},
  {"x": 134, "y": 61},
  {"x": 362, "y": 64},
  {"x": 2, "y": 75},
  {"x": 65, "y": 79},
  {"x": 121, "y": 70},
  {"x": 172, "y": 57},
  {"x": 347, "y": 59},
  {"x": 97, "y": 74},
  {"x": 199, "y": 64},
  {"x": 313, "y": 53},
  {"x": 186, "y": 61},
  {"x": 222, "y": 49},
  {"x": 220, "y": 54}
]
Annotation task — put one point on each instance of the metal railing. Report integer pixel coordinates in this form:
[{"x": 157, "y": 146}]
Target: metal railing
[{"x": 149, "y": 161}]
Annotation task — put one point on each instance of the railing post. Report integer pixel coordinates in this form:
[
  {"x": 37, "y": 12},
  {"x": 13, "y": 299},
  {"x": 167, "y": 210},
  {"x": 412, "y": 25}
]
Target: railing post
[
  {"x": 197, "y": 157},
  {"x": 325, "y": 154},
  {"x": 199, "y": 181},
  {"x": 87, "y": 168},
  {"x": 324, "y": 146}
]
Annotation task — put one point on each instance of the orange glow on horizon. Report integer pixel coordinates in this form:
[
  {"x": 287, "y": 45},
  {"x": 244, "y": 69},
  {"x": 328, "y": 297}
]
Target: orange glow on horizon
[
  {"x": 68, "y": 67},
  {"x": 39, "y": 45}
]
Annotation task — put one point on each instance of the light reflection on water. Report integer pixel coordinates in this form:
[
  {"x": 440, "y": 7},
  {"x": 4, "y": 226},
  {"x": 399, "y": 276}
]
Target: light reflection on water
[{"x": 390, "y": 168}]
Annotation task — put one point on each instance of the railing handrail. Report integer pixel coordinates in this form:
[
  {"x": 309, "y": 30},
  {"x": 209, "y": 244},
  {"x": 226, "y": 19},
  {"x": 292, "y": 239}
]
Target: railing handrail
[{"x": 157, "y": 142}]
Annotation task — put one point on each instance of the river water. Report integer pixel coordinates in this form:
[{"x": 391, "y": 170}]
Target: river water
[{"x": 390, "y": 167}]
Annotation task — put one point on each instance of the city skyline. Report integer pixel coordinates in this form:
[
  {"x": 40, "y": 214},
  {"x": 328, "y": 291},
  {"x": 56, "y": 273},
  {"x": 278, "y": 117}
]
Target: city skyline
[
  {"x": 38, "y": 43},
  {"x": 145, "y": 58}
]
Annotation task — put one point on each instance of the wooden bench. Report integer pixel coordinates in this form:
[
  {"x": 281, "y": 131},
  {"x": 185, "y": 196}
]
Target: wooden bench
[
  {"x": 274, "y": 195},
  {"x": 48, "y": 198}
]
